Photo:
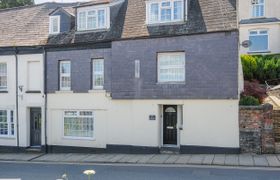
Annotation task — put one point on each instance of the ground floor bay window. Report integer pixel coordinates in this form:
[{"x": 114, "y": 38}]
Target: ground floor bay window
[
  {"x": 78, "y": 124},
  {"x": 7, "y": 128}
]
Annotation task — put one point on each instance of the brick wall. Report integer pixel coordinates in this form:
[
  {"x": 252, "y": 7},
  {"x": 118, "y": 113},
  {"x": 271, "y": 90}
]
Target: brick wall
[{"x": 256, "y": 129}]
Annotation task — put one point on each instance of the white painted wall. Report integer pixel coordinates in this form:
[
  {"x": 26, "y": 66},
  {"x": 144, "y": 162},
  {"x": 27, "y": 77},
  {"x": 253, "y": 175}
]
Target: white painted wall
[
  {"x": 126, "y": 122},
  {"x": 26, "y": 100},
  {"x": 273, "y": 36},
  {"x": 29, "y": 100},
  {"x": 271, "y": 9},
  {"x": 8, "y": 100}
]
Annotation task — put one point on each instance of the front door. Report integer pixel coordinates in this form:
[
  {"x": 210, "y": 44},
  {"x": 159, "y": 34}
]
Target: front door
[
  {"x": 170, "y": 125},
  {"x": 35, "y": 127}
]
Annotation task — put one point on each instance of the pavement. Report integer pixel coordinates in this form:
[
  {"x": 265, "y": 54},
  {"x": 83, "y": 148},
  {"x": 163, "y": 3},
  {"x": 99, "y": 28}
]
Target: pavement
[
  {"x": 247, "y": 160},
  {"x": 54, "y": 171}
]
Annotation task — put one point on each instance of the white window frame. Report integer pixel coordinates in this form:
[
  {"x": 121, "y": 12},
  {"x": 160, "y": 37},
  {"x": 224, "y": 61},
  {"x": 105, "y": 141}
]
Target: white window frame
[
  {"x": 258, "y": 34},
  {"x": 64, "y": 75},
  {"x": 4, "y": 88},
  {"x": 167, "y": 67},
  {"x": 159, "y": 2},
  {"x": 9, "y": 123},
  {"x": 97, "y": 73},
  {"x": 96, "y": 9},
  {"x": 51, "y": 31},
  {"x": 78, "y": 115},
  {"x": 258, "y": 5}
]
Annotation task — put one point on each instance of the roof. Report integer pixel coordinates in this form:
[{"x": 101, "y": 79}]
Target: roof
[
  {"x": 27, "y": 25},
  {"x": 93, "y": 2},
  {"x": 258, "y": 20},
  {"x": 203, "y": 16}
]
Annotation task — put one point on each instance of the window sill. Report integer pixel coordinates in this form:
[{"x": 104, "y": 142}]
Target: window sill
[
  {"x": 33, "y": 92},
  {"x": 96, "y": 91},
  {"x": 64, "y": 92},
  {"x": 4, "y": 91},
  {"x": 166, "y": 83},
  {"x": 166, "y": 23},
  {"x": 79, "y": 138},
  {"x": 91, "y": 30},
  {"x": 7, "y": 137},
  {"x": 259, "y": 52}
]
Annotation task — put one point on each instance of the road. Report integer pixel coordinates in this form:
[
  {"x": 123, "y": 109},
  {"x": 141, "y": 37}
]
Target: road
[{"x": 40, "y": 171}]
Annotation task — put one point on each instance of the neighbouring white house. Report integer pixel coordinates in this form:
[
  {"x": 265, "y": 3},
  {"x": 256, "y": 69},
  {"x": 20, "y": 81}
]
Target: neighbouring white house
[{"x": 259, "y": 22}]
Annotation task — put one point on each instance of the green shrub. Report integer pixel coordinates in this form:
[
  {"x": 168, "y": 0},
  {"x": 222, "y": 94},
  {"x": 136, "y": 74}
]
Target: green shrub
[
  {"x": 261, "y": 68},
  {"x": 249, "y": 101}
]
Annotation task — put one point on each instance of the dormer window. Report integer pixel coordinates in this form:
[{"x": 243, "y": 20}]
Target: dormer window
[
  {"x": 93, "y": 18},
  {"x": 54, "y": 25},
  {"x": 164, "y": 11},
  {"x": 258, "y": 8}
]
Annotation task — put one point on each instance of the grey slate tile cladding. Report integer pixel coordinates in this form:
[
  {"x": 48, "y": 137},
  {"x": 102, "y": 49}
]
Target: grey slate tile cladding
[
  {"x": 81, "y": 61},
  {"x": 211, "y": 67},
  {"x": 65, "y": 20}
]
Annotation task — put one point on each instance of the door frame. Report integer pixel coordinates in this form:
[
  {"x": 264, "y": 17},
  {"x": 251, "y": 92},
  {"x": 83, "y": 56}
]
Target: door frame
[
  {"x": 30, "y": 129},
  {"x": 178, "y": 109}
]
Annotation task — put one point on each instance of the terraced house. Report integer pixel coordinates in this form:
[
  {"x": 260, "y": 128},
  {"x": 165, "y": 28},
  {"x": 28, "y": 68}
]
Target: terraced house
[
  {"x": 129, "y": 76},
  {"x": 260, "y": 23}
]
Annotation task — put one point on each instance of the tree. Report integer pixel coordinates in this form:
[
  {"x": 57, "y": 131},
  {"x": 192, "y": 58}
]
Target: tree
[{"x": 14, "y": 3}]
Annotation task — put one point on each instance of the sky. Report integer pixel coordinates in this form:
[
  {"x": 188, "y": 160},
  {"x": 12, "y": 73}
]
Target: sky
[{"x": 65, "y": 1}]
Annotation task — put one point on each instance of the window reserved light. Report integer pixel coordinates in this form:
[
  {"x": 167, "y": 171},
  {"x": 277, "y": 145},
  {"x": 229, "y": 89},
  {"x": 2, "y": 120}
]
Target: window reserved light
[
  {"x": 7, "y": 127},
  {"x": 78, "y": 124},
  {"x": 93, "y": 18},
  {"x": 54, "y": 25},
  {"x": 65, "y": 75},
  {"x": 171, "y": 67},
  {"x": 258, "y": 8},
  {"x": 98, "y": 73},
  {"x": 164, "y": 11},
  {"x": 259, "y": 39},
  {"x": 3, "y": 76}
]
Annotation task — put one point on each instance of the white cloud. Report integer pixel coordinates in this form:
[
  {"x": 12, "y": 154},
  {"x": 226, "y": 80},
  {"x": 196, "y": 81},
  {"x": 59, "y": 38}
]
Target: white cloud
[{"x": 65, "y": 1}]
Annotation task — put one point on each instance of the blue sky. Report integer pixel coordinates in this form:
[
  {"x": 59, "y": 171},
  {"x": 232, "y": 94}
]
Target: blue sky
[{"x": 65, "y": 1}]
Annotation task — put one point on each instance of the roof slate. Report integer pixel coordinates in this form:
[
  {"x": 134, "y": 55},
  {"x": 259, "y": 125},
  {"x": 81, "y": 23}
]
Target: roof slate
[{"x": 26, "y": 26}]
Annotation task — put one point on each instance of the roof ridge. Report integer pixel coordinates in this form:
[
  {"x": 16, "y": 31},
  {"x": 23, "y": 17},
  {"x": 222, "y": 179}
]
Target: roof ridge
[{"x": 34, "y": 5}]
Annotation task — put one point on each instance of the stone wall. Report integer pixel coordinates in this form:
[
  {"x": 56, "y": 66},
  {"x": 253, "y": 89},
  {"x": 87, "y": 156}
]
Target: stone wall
[{"x": 256, "y": 129}]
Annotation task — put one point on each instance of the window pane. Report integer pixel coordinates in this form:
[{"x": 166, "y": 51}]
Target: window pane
[
  {"x": 91, "y": 20},
  {"x": 259, "y": 43},
  {"x": 178, "y": 9},
  {"x": 154, "y": 12},
  {"x": 166, "y": 14},
  {"x": 54, "y": 24},
  {"x": 80, "y": 125},
  {"x": 171, "y": 67},
  {"x": 98, "y": 73},
  {"x": 101, "y": 18},
  {"x": 3, "y": 76},
  {"x": 65, "y": 75},
  {"x": 3, "y": 122},
  {"x": 82, "y": 20}
]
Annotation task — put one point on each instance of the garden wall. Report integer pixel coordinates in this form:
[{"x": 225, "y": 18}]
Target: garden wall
[{"x": 256, "y": 129}]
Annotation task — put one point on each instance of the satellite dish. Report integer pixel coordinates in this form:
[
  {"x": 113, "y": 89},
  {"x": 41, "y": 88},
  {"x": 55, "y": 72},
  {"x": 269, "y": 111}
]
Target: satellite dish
[{"x": 246, "y": 43}]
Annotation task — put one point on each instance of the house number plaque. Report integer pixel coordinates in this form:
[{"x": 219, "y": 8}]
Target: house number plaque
[{"x": 152, "y": 117}]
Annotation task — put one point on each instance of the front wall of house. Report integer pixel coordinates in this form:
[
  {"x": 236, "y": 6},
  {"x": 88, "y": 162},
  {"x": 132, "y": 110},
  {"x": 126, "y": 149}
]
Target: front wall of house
[
  {"x": 271, "y": 9},
  {"x": 8, "y": 99},
  {"x": 27, "y": 98},
  {"x": 273, "y": 36},
  {"x": 211, "y": 68},
  {"x": 211, "y": 123}
]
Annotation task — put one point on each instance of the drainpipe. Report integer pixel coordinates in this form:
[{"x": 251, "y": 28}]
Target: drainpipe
[
  {"x": 45, "y": 94},
  {"x": 17, "y": 94}
]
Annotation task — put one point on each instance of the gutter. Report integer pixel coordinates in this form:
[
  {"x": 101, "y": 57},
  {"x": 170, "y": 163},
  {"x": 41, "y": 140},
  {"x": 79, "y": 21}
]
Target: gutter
[
  {"x": 45, "y": 96},
  {"x": 17, "y": 105}
]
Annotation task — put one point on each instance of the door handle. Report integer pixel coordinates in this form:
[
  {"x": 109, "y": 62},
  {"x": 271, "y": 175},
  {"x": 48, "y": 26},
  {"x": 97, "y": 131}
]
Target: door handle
[{"x": 169, "y": 127}]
